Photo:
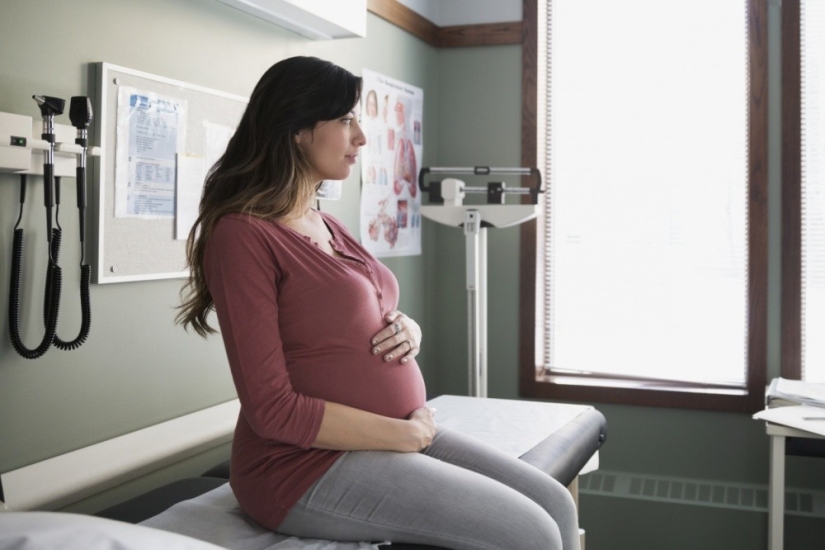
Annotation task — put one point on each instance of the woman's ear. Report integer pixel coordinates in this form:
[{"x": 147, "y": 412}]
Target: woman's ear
[{"x": 304, "y": 137}]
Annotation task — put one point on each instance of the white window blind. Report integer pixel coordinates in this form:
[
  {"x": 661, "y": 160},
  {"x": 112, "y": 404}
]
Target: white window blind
[
  {"x": 812, "y": 53},
  {"x": 645, "y": 219}
]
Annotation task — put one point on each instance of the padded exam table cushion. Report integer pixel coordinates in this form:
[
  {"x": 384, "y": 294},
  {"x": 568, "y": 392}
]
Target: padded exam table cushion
[
  {"x": 561, "y": 440},
  {"x": 43, "y": 530}
]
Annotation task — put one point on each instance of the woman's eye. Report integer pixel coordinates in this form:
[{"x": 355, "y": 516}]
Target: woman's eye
[{"x": 347, "y": 120}]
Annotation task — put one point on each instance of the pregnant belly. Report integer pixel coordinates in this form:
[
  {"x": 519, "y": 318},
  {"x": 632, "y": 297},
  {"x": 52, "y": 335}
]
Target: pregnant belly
[{"x": 389, "y": 389}]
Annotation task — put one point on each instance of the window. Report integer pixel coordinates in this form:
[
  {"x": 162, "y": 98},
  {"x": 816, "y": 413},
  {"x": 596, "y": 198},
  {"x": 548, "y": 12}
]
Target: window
[
  {"x": 803, "y": 190},
  {"x": 649, "y": 282}
]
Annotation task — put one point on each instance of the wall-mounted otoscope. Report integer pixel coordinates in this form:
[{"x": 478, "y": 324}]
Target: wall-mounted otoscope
[
  {"x": 80, "y": 113},
  {"x": 49, "y": 108},
  {"x": 81, "y": 116}
]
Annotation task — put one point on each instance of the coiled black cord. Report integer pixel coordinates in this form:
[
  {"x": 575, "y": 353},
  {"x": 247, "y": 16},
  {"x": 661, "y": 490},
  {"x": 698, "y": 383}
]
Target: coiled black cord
[
  {"x": 85, "y": 281},
  {"x": 54, "y": 256},
  {"x": 86, "y": 312},
  {"x": 54, "y": 278},
  {"x": 85, "y": 298},
  {"x": 55, "y": 275},
  {"x": 54, "y": 252}
]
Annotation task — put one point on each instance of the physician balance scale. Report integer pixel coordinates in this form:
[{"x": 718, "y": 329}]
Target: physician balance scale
[{"x": 447, "y": 207}]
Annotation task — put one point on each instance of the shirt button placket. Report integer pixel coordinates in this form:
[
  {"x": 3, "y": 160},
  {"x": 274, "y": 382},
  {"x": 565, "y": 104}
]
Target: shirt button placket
[{"x": 378, "y": 292}]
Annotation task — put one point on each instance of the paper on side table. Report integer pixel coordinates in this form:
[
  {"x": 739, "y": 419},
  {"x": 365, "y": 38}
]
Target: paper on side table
[
  {"x": 801, "y": 417},
  {"x": 783, "y": 391}
]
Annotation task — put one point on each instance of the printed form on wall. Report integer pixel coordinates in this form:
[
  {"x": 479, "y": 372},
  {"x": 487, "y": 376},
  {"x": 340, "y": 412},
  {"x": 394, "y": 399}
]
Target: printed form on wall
[
  {"x": 391, "y": 114},
  {"x": 191, "y": 175},
  {"x": 151, "y": 130}
]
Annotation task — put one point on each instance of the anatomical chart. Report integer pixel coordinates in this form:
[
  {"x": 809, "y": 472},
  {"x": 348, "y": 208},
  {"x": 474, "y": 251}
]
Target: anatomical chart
[{"x": 391, "y": 117}]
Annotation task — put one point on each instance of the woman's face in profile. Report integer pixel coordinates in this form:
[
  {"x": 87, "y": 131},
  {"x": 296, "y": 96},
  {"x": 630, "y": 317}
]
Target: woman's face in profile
[{"x": 332, "y": 146}]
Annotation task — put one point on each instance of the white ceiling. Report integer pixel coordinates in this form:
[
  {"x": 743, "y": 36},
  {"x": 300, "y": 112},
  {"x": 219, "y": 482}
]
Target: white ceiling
[{"x": 446, "y": 13}]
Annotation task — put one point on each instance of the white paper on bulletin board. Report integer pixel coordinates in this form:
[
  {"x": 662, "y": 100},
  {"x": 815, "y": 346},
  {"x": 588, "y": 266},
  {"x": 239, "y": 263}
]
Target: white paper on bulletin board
[
  {"x": 191, "y": 176},
  {"x": 191, "y": 173},
  {"x": 391, "y": 115},
  {"x": 151, "y": 130}
]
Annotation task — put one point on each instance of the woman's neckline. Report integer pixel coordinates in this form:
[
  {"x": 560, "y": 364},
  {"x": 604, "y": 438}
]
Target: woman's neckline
[{"x": 334, "y": 241}]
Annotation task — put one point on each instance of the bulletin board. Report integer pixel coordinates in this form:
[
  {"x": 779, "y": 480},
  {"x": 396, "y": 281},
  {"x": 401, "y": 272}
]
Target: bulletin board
[{"x": 132, "y": 248}]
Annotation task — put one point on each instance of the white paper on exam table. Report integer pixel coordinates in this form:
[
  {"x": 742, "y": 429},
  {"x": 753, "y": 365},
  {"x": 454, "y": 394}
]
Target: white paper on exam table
[{"x": 801, "y": 417}]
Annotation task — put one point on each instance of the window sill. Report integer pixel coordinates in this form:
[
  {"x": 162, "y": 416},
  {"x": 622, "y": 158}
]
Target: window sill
[{"x": 644, "y": 393}]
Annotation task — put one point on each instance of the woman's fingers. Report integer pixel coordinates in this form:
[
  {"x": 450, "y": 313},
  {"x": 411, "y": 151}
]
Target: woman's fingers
[
  {"x": 395, "y": 327},
  {"x": 411, "y": 350},
  {"x": 400, "y": 339},
  {"x": 410, "y": 327},
  {"x": 394, "y": 351}
]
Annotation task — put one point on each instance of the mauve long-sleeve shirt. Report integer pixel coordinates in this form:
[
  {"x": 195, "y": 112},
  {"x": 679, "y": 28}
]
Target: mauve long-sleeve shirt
[{"x": 296, "y": 324}]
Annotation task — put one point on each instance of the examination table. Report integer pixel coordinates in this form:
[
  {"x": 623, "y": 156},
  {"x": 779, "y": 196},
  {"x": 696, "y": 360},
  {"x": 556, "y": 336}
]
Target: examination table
[{"x": 561, "y": 440}]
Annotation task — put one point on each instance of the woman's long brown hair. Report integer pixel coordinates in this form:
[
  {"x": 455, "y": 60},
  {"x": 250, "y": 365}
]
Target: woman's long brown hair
[{"x": 263, "y": 172}]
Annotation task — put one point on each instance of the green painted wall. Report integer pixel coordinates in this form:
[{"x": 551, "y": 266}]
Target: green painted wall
[
  {"x": 138, "y": 369},
  {"x": 479, "y": 107}
]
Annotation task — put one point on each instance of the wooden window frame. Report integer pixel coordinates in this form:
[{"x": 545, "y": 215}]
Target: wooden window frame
[
  {"x": 455, "y": 36},
  {"x": 791, "y": 192},
  {"x": 628, "y": 392}
]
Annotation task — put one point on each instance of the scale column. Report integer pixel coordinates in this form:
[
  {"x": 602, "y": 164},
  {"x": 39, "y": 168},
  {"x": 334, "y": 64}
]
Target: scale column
[{"x": 476, "y": 303}]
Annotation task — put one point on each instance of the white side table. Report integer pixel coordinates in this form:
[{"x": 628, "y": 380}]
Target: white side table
[{"x": 776, "y": 489}]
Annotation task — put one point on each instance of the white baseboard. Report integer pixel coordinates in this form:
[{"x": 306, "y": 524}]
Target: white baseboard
[{"x": 62, "y": 480}]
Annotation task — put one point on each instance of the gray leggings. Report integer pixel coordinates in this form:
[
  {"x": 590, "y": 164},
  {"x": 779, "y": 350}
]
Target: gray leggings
[{"x": 458, "y": 493}]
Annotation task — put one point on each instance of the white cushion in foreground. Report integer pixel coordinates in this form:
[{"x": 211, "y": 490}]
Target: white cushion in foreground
[
  {"x": 217, "y": 517},
  {"x": 57, "y": 530}
]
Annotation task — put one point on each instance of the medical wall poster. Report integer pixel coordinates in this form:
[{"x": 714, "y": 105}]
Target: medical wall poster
[
  {"x": 391, "y": 117},
  {"x": 151, "y": 130}
]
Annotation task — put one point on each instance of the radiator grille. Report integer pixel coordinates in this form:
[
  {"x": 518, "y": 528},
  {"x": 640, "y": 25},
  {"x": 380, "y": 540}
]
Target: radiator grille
[{"x": 699, "y": 492}]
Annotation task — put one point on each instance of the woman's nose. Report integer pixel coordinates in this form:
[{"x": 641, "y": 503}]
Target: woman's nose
[{"x": 360, "y": 139}]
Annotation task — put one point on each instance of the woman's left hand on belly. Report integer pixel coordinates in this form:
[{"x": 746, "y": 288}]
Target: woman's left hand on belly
[{"x": 401, "y": 338}]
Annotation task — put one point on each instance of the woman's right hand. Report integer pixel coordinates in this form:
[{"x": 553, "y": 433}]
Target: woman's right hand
[
  {"x": 345, "y": 428},
  {"x": 423, "y": 420}
]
